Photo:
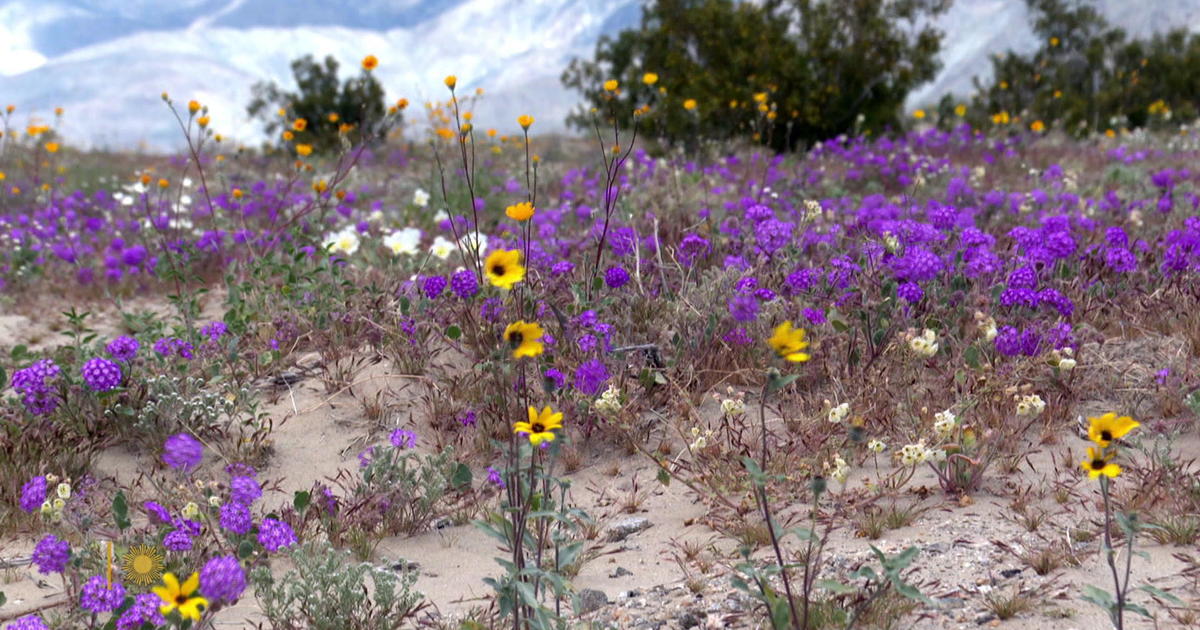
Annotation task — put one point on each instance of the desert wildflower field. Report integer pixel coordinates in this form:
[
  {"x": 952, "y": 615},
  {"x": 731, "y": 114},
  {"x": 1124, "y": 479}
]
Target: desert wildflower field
[{"x": 452, "y": 378}]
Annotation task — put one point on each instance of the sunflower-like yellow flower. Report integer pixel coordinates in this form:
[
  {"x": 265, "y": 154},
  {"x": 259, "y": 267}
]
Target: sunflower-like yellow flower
[
  {"x": 524, "y": 338},
  {"x": 519, "y": 212},
  {"x": 142, "y": 565},
  {"x": 650, "y": 78},
  {"x": 1097, "y": 464},
  {"x": 304, "y": 149},
  {"x": 789, "y": 343},
  {"x": 193, "y": 107},
  {"x": 611, "y": 85},
  {"x": 370, "y": 62},
  {"x": 1104, "y": 429},
  {"x": 540, "y": 426},
  {"x": 300, "y": 124},
  {"x": 503, "y": 268},
  {"x": 179, "y": 597},
  {"x": 525, "y": 120}
]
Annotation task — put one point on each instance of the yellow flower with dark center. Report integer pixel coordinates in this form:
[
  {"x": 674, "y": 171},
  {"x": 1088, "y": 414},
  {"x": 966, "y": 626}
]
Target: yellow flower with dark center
[
  {"x": 1104, "y": 429},
  {"x": 540, "y": 426},
  {"x": 142, "y": 565},
  {"x": 179, "y": 597},
  {"x": 503, "y": 268},
  {"x": 524, "y": 338},
  {"x": 789, "y": 343},
  {"x": 519, "y": 212},
  {"x": 288, "y": 135},
  {"x": 299, "y": 124},
  {"x": 1097, "y": 464},
  {"x": 370, "y": 62}
]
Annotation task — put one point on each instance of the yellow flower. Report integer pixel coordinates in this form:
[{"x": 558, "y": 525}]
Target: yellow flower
[
  {"x": 919, "y": 114},
  {"x": 689, "y": 104},
  {"x": 520, "y": 212},
  {"x": 2, "y": 176},
  {"x": 401, "y": 103},
  {"x": 299, "y": 124},
  {"x": 193, "y": 107},
  {"x": 540, "y": 426},
  {"x": 288, "y": 135},
  {"x": 179, "y": 597},
  {"x": 526, "y": 121},
  {"x": 1104, "y": 429},
  {"x": 333, "y": 117},
  {"x": 1037, "y": 126},
  {"x": 320, "y": 186},
  {"x": 345, "y": 128},
  {"x": 649, "y": 78},
  {"x": 11, "y": 108},
  {"x": 202, "y": 121},
  {"x": 611, "y": 85},
  {"x": 1057, "y": 93},
  {"x": 58, "y": 111},
  {"x": 1109, "y": 133},
  {"x": 960, "y": 110},
  {"x": 789, "y": 343},
  {"x": 524, "y": 337},
  {"x": 503, "y": 268},
  {"x": 1097, "y": 464},
  {"x": 52, "y": 147},
  {"x": 237, "y": 193},
  {"x": 304, "y": 149},
  {"x": 281, "y": 111},
  {"x": 163, "y": 183},
  {"x": 451, "y": 81},
  {"x": 369, "y": 63},
  {"x": 142, "y": 565},
  {"x": 1053, "y": 41}
]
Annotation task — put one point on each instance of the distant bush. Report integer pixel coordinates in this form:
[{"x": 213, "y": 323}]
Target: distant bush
[
  {"x": 784, "y": 73},
  {"x": 330, "y": 108},
  {"x": 1088, "y": 76}
]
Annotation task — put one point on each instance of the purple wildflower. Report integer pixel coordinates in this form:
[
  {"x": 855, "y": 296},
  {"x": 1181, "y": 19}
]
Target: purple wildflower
[
  {"x": 182, "y": 452},
  {"x": 433, "y": 286},
  {"x": 101, "y": 374},
  {"x": 236, "y": 517},
  {"x": 244, "y": 490},
  {"x": 403, "y": 439},
  {"x": 743, "y": 308},
  {"x": 99, "y": 596},
  {"x": 589, "y": 376},
  {"x": 555, "y": 378},
  {"x": 468, "y": 419},
  {"x": 495, "y": 478},
  {"x": 222, "y": 579},
  {"x": 28, "y": 622},
  {"x": 738, "y": 337},
  {"x": 274, "y": 535},
  {"x": 815, "y": 316},
  {"x": 33, "y": 494},
  {"x": 51, "y": 554},
  {"x": 177, "y": 540},
  {"x": 157, "y": 511},
  {"x": 464, "y": 284},
  {"x": 616, "y": 277},
  {"x": 910, "y": 292},
  {"x": 214, "y": 330},
  {"x": 123, "y": 348},
  {"x": 145, "y": 610}
]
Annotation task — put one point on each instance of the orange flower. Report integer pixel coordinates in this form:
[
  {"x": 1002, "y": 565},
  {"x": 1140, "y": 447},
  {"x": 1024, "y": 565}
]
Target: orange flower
[
  {"x": 304, "y": 149},
  {"x": 525, "y": 120},
  {"x": 193, "y": 107},
  {"x": 300, "y": 124},
  {"x": 450, "y": 81},
  {"x": 370, "y": 62}
]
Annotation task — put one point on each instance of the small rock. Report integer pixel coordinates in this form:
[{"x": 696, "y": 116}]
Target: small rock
[
  {"x": 620, "y": 572},
  {"x": 286, "y": 378},
  {"x": 692, "y": 618},
  {"x": 591, "y": 600},
  {"x": 626, "y": 528},
  {"x": 1008, "y": 573},
  {"x": 985, "y": 618}
]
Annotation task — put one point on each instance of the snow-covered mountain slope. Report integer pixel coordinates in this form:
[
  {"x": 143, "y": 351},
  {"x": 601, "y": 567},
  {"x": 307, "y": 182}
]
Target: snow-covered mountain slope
[{"x": 107, "y": 61}]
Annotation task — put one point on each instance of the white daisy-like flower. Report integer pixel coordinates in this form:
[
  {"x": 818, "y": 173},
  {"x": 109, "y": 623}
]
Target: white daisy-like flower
[
  {"x": 404, "y": 241},
  {"x": 420, "y": 198},
  {"x": 442, "y": 247}
]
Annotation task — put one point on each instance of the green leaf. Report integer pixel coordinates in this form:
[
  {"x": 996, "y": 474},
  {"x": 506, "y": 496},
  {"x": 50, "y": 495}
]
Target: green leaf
[
  {"x": 3, "y": 598},
  {"x": 301, "y": 499},
  {"x": 1135, "y": 608},
  {"x": 664, "y": 477},
  {"x": 971, "y": 356},
  {"x": 776, "y": 381},
  {"x": 462, "y": 476},
  {"x": 1098, "y": 597},
  {"x": 1161, "y": 594},
  {"x": 454, "y": 332},
  {"x": 245, "y": 549},
  {"x": 120, "y": 511}
]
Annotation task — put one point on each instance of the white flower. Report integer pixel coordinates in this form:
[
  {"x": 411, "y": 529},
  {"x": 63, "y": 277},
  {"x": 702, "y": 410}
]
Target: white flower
[
  {"x": 420, "y": 198},
  {"x": 913, "y": 454},
  {"x": 876, "y": 446},
  {"x": 838, "y": 414},
  {"x": 1030, "y": 405},
  {"x": 925, "y": 345},
  {"x": 936, "y": 455},
  {"x": 699, "y": 439},
  {"x": 839, "y": 470},
  {"x": 1066, "y": 365},
  {"x": 609, "y": 403},
  {"x": 442, "y": 247},
  {"x": 191, "y": 510},
  {"x": 214, "y": 501},
  {"x": 59, "y": 504},
  {"x": 944, "y": 422},
  {"x": 891, "y": 243},
  {"x": 344, "y": 242},
  {"x": 733, "y": 407},
  {"x": 469, "y": 243},
  {"x": 403, "y": 241},
  {"x": 63, "y": 491}
]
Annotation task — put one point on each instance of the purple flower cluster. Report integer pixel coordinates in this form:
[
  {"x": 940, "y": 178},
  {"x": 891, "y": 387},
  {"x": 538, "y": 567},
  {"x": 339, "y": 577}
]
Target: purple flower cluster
[
  {"x": 244, "y": 489},
  {"x": 123, "y": 349},
  {"x": 222, "y": 580},
  {"x": 28, "y": 622},
  {"x": 464, "y": 284},
  {"x": 214, "y": 330},
  {"x": 182, "y": 451},
  {"x": 99, "y": 596},
  {"x": 403, "y": 439},
  {"x": 167, "y": 346},
  {"x": 51, "y": 554},
  {"x": 616, "y": 277},
  {"x": 236, "y": 518},
  {"x": 145, "y": 610},
  {"x": 274, "y": 535},
  {"x": 177, "y": 540},
  {"x": 433, "y": 286},
  {"x": 33, "y": 494},
  {"x": 590, "y": 376},
  {"x": 101, "y": 375},
  {"x": 35, "y": 384}
]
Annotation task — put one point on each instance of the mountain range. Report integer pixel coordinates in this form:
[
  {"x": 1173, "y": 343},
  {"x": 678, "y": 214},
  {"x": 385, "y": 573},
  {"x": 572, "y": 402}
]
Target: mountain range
[{"x": 106, "y": 62}]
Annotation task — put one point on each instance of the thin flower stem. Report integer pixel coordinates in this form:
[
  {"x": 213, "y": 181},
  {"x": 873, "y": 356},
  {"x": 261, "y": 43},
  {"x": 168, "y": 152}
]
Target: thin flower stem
[
  {"x": 766, "y": 508},
  {"x": 1118, "y": 614}
]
